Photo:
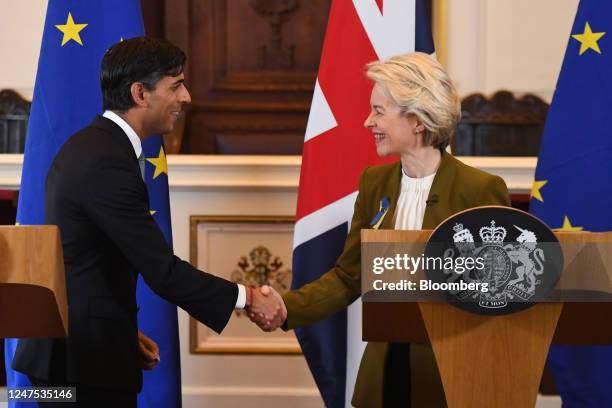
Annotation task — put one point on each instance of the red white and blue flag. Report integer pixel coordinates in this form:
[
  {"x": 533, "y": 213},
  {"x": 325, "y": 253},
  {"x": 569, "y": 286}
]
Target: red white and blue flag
[{"x": 337, "y": 147}]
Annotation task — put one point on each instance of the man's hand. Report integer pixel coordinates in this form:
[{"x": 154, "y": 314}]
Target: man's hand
[
  {"x": 277, "y": 314},
  {"x": 149, "y": 352}
]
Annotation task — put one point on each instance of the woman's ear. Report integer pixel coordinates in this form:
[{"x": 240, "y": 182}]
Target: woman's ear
[
  {"x": 419, "y": 127},
  {"x": 137, "y": 91}
]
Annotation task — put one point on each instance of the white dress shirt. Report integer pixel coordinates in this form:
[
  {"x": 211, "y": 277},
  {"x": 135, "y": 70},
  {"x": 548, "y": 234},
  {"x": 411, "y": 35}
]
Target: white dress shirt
[
  {"x": 412, "y": 202},
  {"x": 137, "y": 144}
]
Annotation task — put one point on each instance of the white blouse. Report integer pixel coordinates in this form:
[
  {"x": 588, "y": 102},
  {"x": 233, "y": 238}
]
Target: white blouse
[{"x": 412, "y": 201}]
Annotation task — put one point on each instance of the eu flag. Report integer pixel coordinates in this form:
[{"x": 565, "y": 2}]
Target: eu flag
[
  {"x": 572, "y": 189},
  {"x": 67, "y": 97}
]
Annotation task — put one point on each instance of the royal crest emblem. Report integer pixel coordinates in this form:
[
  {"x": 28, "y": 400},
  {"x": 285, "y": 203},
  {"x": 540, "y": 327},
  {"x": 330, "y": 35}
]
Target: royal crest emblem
[
  {"x": 261, "y": 268},
  {"x": 516, "y": 268}
]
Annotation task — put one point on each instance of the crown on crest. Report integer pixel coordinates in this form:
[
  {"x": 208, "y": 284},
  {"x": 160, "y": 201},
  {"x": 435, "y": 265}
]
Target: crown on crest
[
  {"x": 492, "y": 234},
  {"x": 462, "y": 234},
  {"x": 458, "y": 227}
]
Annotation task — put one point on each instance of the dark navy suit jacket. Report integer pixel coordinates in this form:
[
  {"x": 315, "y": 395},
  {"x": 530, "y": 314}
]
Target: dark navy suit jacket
[{"x": 95, "y": 194}]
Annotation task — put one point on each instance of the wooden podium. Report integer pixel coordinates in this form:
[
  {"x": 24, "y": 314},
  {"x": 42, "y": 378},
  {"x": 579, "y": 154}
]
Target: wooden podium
[
  {"x": 32, "y": 283},
  {"x": 489, "y": 361}
]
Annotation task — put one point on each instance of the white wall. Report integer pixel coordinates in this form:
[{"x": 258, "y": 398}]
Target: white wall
[
  {"x": 499, "y": 44},
  {"x": 21, "y": 26}
]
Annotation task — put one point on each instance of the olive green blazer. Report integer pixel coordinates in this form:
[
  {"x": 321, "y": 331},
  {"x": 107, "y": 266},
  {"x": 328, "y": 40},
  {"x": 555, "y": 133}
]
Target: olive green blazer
[{"x": 457, "y": 187}]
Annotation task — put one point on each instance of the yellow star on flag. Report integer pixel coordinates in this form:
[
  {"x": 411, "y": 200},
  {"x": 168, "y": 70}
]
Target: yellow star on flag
[
  {"x": 567, "y": 226},
  {"x": 152, "y": 212},
  {"x": 535, "y": 189},
  {"x": 71, "y": 30},
  {"x": 161, "y": 166},
  {"x": 588, "y": 39}
]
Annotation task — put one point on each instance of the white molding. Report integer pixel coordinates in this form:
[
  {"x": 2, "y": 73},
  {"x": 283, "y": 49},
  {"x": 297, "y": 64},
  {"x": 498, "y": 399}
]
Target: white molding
[
  {"x": 253, "y": 391},
  {"x": 10, "y": 171},
  {"x": 518, "y": 172},
  {"x": 272, "y": 172},
  {"x": 251, "y": 397},
  {"x": 216, "y": 171},
  {"x": 548, "y": 401}
]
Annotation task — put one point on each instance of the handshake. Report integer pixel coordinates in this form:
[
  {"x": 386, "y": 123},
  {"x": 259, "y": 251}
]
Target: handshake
[{"x": 266, "y": 308}]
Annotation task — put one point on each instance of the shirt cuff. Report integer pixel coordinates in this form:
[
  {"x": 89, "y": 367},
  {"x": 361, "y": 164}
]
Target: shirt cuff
[{"x": 241, "y": 301}]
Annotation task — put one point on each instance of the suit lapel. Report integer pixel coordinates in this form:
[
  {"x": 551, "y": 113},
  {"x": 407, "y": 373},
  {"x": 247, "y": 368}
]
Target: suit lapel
[
  {"x": 120, "y": 138},
  {"x": 392, "y": 188},
  {"x": 438, "y": 202},
  {"x": 123, "y": 143}
]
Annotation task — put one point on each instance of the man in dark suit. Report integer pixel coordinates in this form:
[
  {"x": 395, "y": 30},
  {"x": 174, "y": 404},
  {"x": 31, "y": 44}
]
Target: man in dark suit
[{"x": 95, "y": 193}]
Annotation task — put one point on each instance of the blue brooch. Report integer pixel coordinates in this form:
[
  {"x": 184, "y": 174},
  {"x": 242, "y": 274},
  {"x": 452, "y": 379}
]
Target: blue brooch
[{"x": 382, "y": 211}]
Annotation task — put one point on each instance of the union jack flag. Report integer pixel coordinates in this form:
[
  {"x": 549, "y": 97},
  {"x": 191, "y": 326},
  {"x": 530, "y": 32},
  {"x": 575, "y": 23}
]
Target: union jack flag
[{"x": 337, "y": 148}]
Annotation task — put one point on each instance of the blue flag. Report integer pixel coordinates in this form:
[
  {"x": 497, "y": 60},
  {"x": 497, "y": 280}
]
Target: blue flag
[
  {"x": 572, "y": 190},
  {"x": 67, "y": 97}
]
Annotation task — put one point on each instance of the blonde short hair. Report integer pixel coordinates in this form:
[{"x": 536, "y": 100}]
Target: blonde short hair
[{"x": 419, "y": 85}]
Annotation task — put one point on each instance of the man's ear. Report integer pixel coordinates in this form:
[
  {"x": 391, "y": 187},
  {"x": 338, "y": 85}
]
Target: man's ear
[{"x": 137, "y": 90}]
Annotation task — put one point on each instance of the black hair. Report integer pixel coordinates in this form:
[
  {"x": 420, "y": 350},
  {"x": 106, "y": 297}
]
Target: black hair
[{"x": 140, "y": 59}]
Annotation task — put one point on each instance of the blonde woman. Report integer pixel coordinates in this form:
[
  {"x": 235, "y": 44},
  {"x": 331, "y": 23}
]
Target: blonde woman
[{"x": 414, "y": 111}]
